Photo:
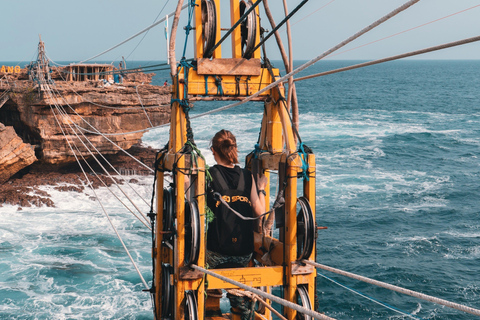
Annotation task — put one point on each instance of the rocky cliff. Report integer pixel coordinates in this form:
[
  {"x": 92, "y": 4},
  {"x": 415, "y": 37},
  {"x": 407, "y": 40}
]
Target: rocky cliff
[{"x": 73, "y": 111}]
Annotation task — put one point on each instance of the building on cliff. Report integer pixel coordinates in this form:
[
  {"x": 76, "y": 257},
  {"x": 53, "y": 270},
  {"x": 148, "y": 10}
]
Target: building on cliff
[{"x": 89, "y": 72}]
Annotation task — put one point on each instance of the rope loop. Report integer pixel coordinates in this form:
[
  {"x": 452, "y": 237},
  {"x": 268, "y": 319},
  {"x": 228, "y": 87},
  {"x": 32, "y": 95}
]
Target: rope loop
[
  {"x": 257, "y": 151},
  {"x": 206, "y": 84},
  {"x": 303, "y": 151},
  {"x": 188, "y": 27},
  {"x": 218, "y": 83}
]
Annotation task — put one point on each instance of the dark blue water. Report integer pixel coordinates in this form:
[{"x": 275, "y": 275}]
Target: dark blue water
[{"x": 398, "y": 187}]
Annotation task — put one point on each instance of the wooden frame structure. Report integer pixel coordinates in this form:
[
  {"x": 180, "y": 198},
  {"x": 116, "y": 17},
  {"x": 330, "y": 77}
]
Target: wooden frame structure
[
  {"x": 232, "y": 78},
  {"x": 92, "y": 71}
]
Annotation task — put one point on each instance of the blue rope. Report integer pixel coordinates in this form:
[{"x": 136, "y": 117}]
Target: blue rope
[
  {"x": 206, "y": 84},
  {"x": 218, "y": 83},
  {"x": 257, "y": 151},
  {"x": 303, "y": 157},
  {"x": 386, "y": 305},
  {"x": 188, "y": 27}
]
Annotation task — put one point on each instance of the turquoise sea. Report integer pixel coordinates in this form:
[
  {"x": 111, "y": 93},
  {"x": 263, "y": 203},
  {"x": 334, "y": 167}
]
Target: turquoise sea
[{"x": 398, "y": 185}]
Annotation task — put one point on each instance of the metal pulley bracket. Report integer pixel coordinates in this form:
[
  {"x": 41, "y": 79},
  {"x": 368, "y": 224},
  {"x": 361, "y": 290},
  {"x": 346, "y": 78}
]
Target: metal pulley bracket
[
  {"x": 209, "y": 25},
  {"x": 191, "y": 307},
  {"x": 192, "y": 232},
  {"x": 167, "y": 290},
  {"x": 305, "y": 229},
  {"x": 248, "y": 29}
]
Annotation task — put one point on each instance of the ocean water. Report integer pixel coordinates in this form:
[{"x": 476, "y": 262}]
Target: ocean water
[{"x": 398, "y": 186}]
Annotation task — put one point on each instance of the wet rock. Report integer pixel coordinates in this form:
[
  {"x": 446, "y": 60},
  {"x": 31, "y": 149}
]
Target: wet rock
[
  {"x": 23, "y": 189},
  {"x": 14, "y": 153}
]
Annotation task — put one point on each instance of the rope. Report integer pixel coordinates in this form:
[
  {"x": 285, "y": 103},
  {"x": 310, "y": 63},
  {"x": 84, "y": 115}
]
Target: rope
[
  {"x": 188, "y": 27},
  {"x": 50, "y": 91},
  {"x": 158, "y": 15},
  {"x": 103, "y": 208},
  {"x": 99, "y": 163},
  {"x": 313, "y": 12},
  {"x": 132, "y": 37},
  {"x": 110, "y": 107},
  {"x": 400, "y": 56},
  {"x": 116, "y": 145},
  {"x": 396, "y": 288},
  {"x": 254, "y": 297},
  {"x": 265, "y": 295},
  {"x": 280, "y": 24},
  {"x": 140, "y": 100},
  {"x": 369, "y": 298},
  {"x": 314, "y": 60},
  {"x": 398, "y": 33}
]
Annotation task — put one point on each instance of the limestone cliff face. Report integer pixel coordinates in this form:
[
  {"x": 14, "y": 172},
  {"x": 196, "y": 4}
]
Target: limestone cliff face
[
  {"x": 14, "y": 153},
  {"x": 73, "y": 111}
]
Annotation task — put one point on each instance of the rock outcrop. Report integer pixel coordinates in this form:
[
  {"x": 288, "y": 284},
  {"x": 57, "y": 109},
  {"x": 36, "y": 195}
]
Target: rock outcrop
[
  {"x": 65, "y": 120},
  {"x": 14, "y": 153},
  {"x": 111, "y": 117}
]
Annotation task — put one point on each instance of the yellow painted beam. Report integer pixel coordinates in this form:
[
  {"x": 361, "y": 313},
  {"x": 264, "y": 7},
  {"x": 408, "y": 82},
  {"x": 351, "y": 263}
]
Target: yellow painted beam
[
  {"x": 229, "y": 85},
  {"x": 254, "y": 277},
  {"x": 290, "y": 235}
]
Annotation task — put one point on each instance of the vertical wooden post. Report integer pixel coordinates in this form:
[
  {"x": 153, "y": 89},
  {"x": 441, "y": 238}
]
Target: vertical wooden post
[
  {"x": 236, "y": 34},
  {"x": 179, "y": 256},
  {"x": 273, "y": 132},
  {"x": 256, "y": 54},
  {"x": 217, "y": 54},
  {"x": 178, "y": 129},
  {"x": 291, "y": 231},
  {"x": 200, "y": 196},
  {"x": 198, "y": 32},
  {"x": 158, "y": 252}
]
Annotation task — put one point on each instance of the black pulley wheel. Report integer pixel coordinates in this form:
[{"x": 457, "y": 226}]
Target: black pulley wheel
[
  {"x": 305, "y": 229},
  {"x": 303, "y": 300},
  {"x": 209, "y": 26},
  {"x": 167, "y": 291},
  {"x": 192, "y": 232},
  {"x": 168, "y": 214},
  {"x": 248, "y": 29},
  {"x": 191, "y": 307}
]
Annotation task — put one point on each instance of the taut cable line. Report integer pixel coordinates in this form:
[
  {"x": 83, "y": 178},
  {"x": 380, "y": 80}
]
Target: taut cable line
[
  {"x": 396, "y": 288},
  {"x": 313, "y": 12},
  {"x": 280, "y": 24},
  {"x": 265, "y": 295},
  {"x": 314, "y": 60},
  {"x": 62, "y": 112},
  {"x": 103, "y": 208},
  {"x": 360, "y": 65},
  {"x": 404, "y": 31},
  {"x": 112, "y": 142},
  {"x": 132, "y": 37},
  {"x": 400, "y": 56}
]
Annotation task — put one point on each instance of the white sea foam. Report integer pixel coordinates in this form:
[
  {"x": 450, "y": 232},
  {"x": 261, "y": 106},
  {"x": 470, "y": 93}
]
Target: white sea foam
[{"x": 46, "y": 244}]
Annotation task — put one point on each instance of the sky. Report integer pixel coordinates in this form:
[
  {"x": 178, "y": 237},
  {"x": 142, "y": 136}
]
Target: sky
[{"x": 78, "y": 30}]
